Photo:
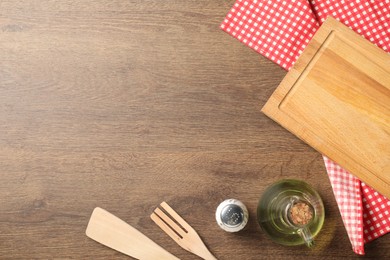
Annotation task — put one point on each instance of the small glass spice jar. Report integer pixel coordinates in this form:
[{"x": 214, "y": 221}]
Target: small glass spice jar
[{"x": 232, "y": 215}]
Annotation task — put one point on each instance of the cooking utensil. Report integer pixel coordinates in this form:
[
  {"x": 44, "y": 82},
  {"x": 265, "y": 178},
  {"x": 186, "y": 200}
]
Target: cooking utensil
[
  {"x": 180, "y": 231},
  {"x": 336, "y": 98},
  {"x": 113, "y": 232}
]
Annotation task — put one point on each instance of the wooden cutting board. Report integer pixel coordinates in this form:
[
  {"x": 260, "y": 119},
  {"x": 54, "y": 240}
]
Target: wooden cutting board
[{"x": 336, "y": 98}]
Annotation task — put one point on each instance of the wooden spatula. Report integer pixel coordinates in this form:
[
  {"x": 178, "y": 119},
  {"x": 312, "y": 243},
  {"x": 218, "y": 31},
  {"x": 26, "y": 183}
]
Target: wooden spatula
[
  {"x": 180, "y": 231},
  {"x": 113, "y": 232}
]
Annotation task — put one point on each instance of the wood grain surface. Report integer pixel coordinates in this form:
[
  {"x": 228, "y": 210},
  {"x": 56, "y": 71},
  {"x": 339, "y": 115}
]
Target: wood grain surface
[{"x": 123, "y": 104}]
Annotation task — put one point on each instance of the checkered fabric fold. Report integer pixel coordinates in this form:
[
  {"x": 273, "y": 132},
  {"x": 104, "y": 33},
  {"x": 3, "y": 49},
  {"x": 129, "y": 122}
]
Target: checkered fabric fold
[{"x": 280, "y": 30}]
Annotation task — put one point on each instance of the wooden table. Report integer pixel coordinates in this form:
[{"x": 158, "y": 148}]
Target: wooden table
[{"x": 124, "y": 104}]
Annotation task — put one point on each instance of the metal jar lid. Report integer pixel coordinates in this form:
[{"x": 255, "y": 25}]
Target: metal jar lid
[{"x": 232, "y": 215}]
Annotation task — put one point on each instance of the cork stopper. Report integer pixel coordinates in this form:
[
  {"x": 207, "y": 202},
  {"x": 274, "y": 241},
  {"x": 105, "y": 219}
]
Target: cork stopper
[{"x": 300, "y": 213}]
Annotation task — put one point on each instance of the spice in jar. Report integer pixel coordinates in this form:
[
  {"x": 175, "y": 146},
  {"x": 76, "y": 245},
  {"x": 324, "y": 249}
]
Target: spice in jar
[{"x": 232, "y": 215}]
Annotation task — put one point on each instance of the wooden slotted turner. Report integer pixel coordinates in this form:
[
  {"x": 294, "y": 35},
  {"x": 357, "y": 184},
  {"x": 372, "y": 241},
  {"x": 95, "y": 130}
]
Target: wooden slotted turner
[
  {"x": 180, "y": 231},
  {"x": 113, "y": 232}
]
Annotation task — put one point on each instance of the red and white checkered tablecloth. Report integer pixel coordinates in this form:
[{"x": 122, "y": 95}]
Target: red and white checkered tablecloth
[{"x": 280, "y": 30}]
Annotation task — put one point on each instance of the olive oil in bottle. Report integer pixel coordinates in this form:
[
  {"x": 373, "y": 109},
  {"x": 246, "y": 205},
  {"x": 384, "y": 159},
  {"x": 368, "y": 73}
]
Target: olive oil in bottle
[{"x": 291, "y": 213}]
